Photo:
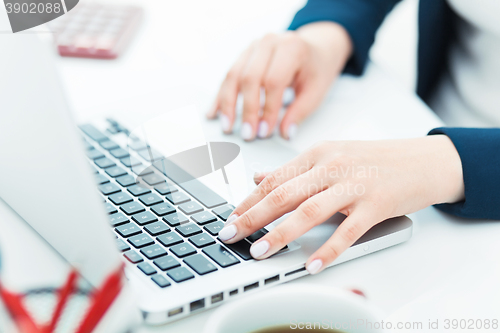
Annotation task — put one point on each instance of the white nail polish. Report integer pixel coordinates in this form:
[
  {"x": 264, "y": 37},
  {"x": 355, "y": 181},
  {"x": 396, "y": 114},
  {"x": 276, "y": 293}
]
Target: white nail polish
[
  {"x": 292, "y": 131},
  {"x": 263, "y": 129},
  {"x": 259, "y": 249},
  {"x": 246, "y": 131},
  {"x": 314, "y": 266},
  {"x": 224, "y": 121},
  {"x": 232, "y": 218},
  {"x": 227, "y": 232}
]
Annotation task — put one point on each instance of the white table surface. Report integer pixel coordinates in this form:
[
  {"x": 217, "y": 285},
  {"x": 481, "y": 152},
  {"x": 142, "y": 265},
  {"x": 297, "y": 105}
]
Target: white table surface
[{"x": 450, "y": 267}]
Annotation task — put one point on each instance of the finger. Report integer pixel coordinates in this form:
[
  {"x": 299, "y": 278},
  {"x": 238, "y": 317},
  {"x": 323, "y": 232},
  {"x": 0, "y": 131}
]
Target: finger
[
  {"x": 251, "y": 81},
  {"x": 282, "y": 69},
  {"x": 349, "y": 231},
  {"x": 212, "y": 112},
  {"x": 309, "y": 214},
  {"x": 228, "y": 93},
  {"x": 259, "y": 176},
  {"x": 305, "y": 102},
  {"x": 280, "y": 201},
  {"x": 292, "y": 169}
]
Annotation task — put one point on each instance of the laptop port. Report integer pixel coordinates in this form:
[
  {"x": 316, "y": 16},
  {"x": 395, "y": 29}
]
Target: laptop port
[
  {"x": 295, "y": 271},
  {"x": 217, "y": 298},
  {"x": 272, "y": 279},
  {"x": 199, "y": 304},
  {"x": 233, "y": 292},
  {"x": 251, "y": 286},
  {"x": 175, "y": 312}
]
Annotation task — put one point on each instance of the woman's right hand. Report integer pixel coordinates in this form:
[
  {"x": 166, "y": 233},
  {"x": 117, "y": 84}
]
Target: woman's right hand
[{"x": 307, "y": 60}]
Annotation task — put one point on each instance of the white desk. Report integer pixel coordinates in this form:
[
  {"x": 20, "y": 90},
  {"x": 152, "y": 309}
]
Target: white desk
[{"x": 449, "y": 269}]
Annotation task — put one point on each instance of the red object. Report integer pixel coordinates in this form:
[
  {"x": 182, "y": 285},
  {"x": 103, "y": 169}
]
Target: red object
[
  {"x": 95, "y": 31},
  {"x": 102, "y": 298}
]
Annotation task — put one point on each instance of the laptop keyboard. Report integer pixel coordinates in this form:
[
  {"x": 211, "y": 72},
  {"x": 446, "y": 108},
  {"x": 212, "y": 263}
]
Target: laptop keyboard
[{"x": 168, "y": 230}]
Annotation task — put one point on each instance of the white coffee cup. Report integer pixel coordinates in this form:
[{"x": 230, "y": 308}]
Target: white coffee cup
[{"x": 297, "y": 305}]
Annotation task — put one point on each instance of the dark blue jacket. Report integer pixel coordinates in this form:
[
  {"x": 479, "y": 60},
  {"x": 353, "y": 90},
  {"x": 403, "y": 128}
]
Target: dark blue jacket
[{"x": 479, "y": 149}]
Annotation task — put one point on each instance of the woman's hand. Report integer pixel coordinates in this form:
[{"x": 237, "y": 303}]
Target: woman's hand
[
  {"x": 369, "y": 181},
  {"x": 307, "y": 60}
]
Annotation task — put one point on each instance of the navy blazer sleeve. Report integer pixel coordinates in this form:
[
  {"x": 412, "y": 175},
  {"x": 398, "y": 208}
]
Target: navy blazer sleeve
[
  {"x": 361, "y": 19},
  {"x": 479, "y": 150}
]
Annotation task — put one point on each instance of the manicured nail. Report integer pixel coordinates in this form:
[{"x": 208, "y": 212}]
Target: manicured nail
[
  {"x": 314, "y": 266},
  {"x": 263, "y": 129},
  {"x": 259, "y": 249},
  {"x": 246, "y": 131},
  {"x": 292, "y": 131},
  {"x": 227, "y": 232},
  {"x": 224, "y": 121},
  {"x": 232, "y": 218},
  {"x": 213, "y": 110},
  {"x": 257, "y": 177}
]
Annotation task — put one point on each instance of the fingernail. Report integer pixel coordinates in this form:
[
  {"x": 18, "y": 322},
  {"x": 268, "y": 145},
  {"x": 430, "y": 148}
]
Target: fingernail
[
  {"x": 263, "y": 129},
  {"x": 227, "y": 232},
  {"x": 257, "y": 176},
  {"x": 259, "y": 249},
  {"x": 224, "y": 121},
  {"x": 232, "y": 218},
  {"x": 246, "y": 131},
  {"x": 292, "y": 131},
  {"x": 314, "y": 266}
]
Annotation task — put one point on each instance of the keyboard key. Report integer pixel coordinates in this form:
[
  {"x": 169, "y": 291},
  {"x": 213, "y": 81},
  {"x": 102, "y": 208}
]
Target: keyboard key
[
  {"x": 117, "y": 219},
  {"x": 202, "y": 240},
  {"x": 256, "y": 235},
  {"x": 153, "y": 251},
  {"x": 175, "y": 219},
  {"x": 150, "y": 155},
  {"x": 120, "y": 198},
  {"x": 108, "y": 145},
  {"x": 109, "y": 188},
  {"x": 136, "y": 190},
  {"x": 94, "y": 154},
  {"x": 129, "y": 229},
  {"x": 160, "y": 280},
  {"x": 157, "y": 228},
  {"x": 104, "y": 163},
  {"x": 146, "y": 268},
  {"x": 133, "y": 256},
  {"x": 241, "y": 248},
  {"x": 110, "y": 208},
  {"x": 180, "y": 274},
  {"x": 121, "y": 245},
  {"x": 214, "y": 228},
  {"x": 87, "y": 146},
  {"x": 203, "y": 217},
  {"x": 169, "y": 239},
  {"x": 163, "y": 209},
  {"x": 132, "y": 208},
  {"x": 190, "y": 207},
  {"x": 140, "y": 240},
  {"x": 183, "y": 250},
  {"x": 141, "y": 170},
  {"x": 101, "y": 179},
  {"x": 93, "y": 132},
  {"x": 200, "y": 264},
  {"x": 119, "y": 153},
  {"x": 188, "y": 230},
  {"x": 220, "y": 255},
  {"x": 115, "y": 171},
  {"x": 137, "y": 145},
  {"x": 153, "y": 179},
  {"x": 144, "y": 218},
  {"x": 150, "y": 199},
  {"x": 165, "y": 189},
  {"x": 223, "y": 212},
  {"x": 130, "y": 161},
  {"x": 177, "y": 198},
  {"x": 166, "y": 262},
  {"x": 126, "y": 180}
]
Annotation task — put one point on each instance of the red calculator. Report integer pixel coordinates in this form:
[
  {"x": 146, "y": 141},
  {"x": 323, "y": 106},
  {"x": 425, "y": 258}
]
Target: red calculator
[{"x": 96, "y": 30}]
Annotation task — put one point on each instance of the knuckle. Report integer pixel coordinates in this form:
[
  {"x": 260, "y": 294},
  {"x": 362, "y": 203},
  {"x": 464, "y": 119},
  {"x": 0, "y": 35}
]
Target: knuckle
[
  {"x": 269, "y": 183},
  {"x": 249, "y": 79},
  {"x": 232, "y": 75},
  {"x": 272, "y": 83},
  {"x": 279, "y": 236},
  {"x": 310, "y": 210},
  {"x": 246, "y": 221},
  {"x": 350, "y": 232},
  {"x": 279, "y": 197},
  {"x": 331, "y": 251}
]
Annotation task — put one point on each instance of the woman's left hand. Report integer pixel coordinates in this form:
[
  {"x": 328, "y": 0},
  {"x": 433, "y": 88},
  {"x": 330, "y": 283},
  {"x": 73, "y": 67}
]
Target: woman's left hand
[{"x": 368, "y": 182}]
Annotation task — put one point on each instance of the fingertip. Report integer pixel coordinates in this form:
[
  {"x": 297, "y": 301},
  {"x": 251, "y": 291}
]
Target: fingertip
[
  {"x": 315, "y": 266},
  {"x": 247, "y": 132},
  {"x": 225, "y": 123}
]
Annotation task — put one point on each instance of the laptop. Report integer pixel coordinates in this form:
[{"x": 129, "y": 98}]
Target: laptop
[{"x": 102, "y": 196}]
